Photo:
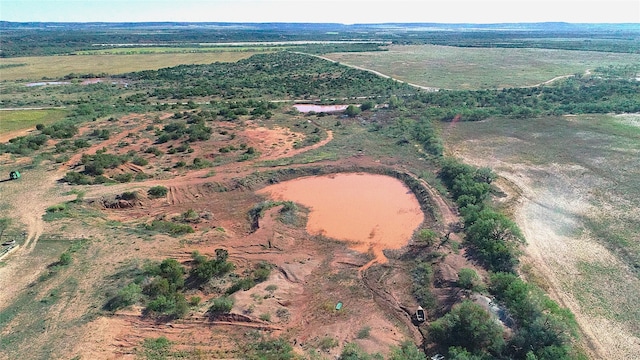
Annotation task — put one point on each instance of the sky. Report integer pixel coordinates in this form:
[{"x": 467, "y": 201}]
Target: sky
[{"x": 336, "y": 11}]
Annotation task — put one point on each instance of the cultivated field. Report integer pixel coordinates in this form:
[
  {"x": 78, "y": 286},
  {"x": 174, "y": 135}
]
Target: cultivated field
[
  {"x": 449, "y": 67},
  {"x": 572, "y": 184},
  {"x": 53, "y": 67}
]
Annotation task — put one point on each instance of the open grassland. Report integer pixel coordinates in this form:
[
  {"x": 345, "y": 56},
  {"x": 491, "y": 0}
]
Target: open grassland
[
  {"x": 578, "y": 181},
  {"x": 36, "y": 68},
  {"x": 479, "y": 68},
  {"x": 15, "y": 120}
]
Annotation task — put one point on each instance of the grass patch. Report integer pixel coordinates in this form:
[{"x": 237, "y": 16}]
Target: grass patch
[
  {"x": 15, "y": 120},
  {"x": 169, "y": 227}
]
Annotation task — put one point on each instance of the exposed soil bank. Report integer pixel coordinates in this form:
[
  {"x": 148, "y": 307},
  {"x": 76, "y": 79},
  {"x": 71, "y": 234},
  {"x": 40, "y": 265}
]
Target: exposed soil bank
[{"x": 371, "y": 212}]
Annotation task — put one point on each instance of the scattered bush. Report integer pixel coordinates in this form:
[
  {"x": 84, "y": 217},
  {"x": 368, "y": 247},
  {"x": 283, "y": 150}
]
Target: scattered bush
[
  {"x": 128, "y": 195},
  {"x": 406, "y": 351},
  {"x": 221, "y": 305},
  {"x": 352, "y": 111},
  {"x": 352, "y": 351},
  {"x": 427, "y": 236},
  {"x": 127, "y": 296},
  {"x": 468, "y": 278},
  {"x": 96, "y": 164},
  {"x": 140, "y": 161},
  {"x": 364, "y": 332},
  {"x": 157, "y": 192},
  {"x": 204, "y": 269},
  {"x": 262, "y": 271},
  {"x": 63, "y": 129},
  {"x": 76, "y": 178},
  {"x": 123, "y": 178},
  {"x": 65, "y": 258},
  {"x": 24, "y": 145},
  {"x": 469, "y": 326},
  {"x": 154, "y": 150},
  {"x": 199, "y": 163},
  {"x": 194, "y": 301},
  {"x": 169, "y": 227},
  {"x": 241, "y": 284}
]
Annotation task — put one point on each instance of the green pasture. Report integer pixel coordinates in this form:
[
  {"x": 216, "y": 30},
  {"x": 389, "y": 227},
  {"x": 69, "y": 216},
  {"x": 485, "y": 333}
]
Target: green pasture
[
  {"x": 451, "y": 67},
  {"x": 15, "y": 120}
]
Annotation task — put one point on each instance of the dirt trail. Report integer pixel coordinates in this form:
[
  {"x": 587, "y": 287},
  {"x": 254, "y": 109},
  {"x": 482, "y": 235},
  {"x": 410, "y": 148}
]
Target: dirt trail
[
  {"x": 392, "y": 306},
  {"x": 426, "y": 88}
]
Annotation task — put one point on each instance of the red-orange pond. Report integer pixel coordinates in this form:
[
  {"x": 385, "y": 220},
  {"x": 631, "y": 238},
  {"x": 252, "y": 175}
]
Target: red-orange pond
[{"x": 370, "y": 212}]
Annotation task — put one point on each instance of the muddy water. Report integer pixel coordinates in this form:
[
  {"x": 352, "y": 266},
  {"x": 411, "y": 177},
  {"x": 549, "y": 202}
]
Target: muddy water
[
  {"x": 305, "y": 108},
  {"x": 371, "y": 212}
]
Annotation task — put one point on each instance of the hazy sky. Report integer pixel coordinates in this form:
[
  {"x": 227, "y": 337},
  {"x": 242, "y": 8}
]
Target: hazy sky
[{"x": 340, "y": 11}]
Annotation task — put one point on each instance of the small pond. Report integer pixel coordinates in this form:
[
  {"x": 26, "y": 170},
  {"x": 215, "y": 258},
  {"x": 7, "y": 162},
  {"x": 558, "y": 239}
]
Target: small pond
[{"x": 371, "y": 212}]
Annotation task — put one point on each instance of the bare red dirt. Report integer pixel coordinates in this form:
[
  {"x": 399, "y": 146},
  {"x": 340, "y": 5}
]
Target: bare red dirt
[{"x": 310, "y": 275}]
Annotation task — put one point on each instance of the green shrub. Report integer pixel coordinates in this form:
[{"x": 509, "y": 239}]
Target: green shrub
[
  {"x": 427, "y": 236},
  {"x": 81, "y": 143},
  {"x": 65, "y": 258},
  {"x": 262, "y": 271},
  {"x": 199, "y": 163},
  {"x": 169, "y": 227},
  {"x": 140, "y": 161},
  {"x": 468, "y": 278},
  {"x": 221, "y": 305},
  {"x": 157, "y": 192},
  {"x": 352, "y": 351},
  {"x": 123, "y": 178},
  {"x": 469, "y": 326},
  {"x": 364, "y": 332},
  {"x": 406, "y": 351},
  {"x": 63, "y": 129},
  {"x": 127, "y": 296},
  {"x": 327, "y": 343},
  {"x": 268, "y": 349},
  {"x": 241, "y": 284},
  {"x": 204, "y": 269},
  {"x": 76, "y": 178},
  {"x": 194, "y": 301},
  {"x": 96, "y": 164},
  {"x": 352, "y": 111},
  {"x": 154, "y": 150},
  {"x": 129, "y": 195}
]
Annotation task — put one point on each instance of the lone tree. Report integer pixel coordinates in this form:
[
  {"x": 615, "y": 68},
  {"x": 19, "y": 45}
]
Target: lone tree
[{"x": 352, "y": 111}]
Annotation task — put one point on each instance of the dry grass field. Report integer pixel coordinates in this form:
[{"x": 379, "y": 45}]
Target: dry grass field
[{"x": 36, "y": 68}]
